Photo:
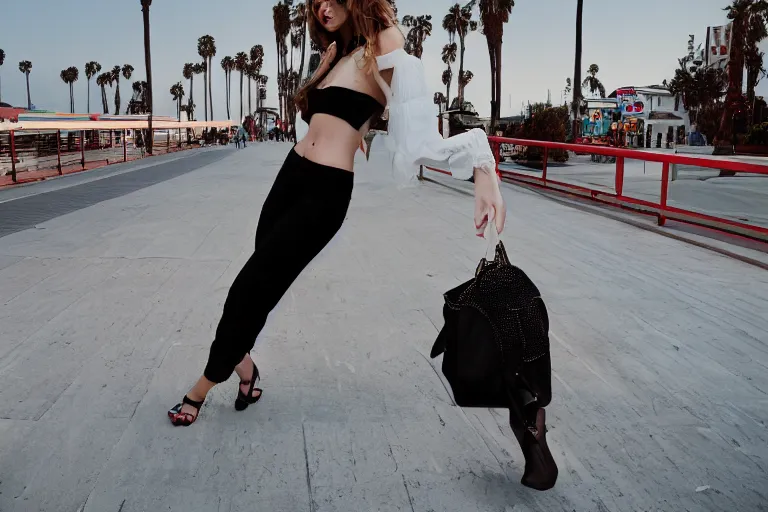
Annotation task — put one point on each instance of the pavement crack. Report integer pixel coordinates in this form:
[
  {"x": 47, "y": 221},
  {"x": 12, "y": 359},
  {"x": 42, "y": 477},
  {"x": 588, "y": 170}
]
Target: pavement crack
[
  {"x": 306, "y": 465},
  {"x": 408, "y": 493}
]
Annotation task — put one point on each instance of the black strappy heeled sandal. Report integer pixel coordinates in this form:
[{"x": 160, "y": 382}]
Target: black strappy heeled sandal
[
  {"x": 243, "y": 400},
  {"x": 184, "y": 419}
]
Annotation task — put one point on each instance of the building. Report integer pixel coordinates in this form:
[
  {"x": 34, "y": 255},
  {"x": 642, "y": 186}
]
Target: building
[{"x": 659, "y": 115}]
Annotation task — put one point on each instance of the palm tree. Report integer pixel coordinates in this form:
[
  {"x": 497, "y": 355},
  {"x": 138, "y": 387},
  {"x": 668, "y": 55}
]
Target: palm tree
[
  {"x": 447, "y": 77},
  {"x": 749, "y": 29},
  {"x": 595, "y": 86},
  {"x": 91, "y": 69},
  {"x": 189, "y": 73},
  {"x": 459, "y": 22},
  {"x": 228, "y": 64},
  {"x": 69, "y": 76},
  {"x": 241, "y": 65},
  {"x": 257, "y": 62},
  {"x": 421, "y": 28},
  {"x": 206, "y": 48},
  {"x": 576, "y": 106},
  {"x": 2, "y": 60},
  {"x": 494, "y": 14},
  {"x": 439, "y": 100},
  {"x": 25, "y": 67},
  {"x": 65, "y": 78},
  {"x": 200, "y": 69},
  {"x": 753, "y": 58},
  {"x": 281, "y": 18},
  {"x": 127, "y": 72},
  {"x": 145, "y": 5},
  {"x": 394, "y": 7},
  {"x": 449, "y": 57},
  {"x": 464, "y": 80},
  {"x": 102, "y": 81},
  {"x": 299, "y": 26},
  {"x": 177, "y": 91}
]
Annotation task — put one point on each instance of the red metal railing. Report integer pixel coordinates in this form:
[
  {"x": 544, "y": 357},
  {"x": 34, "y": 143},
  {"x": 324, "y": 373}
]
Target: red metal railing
[{"x": 660, "y": 208}]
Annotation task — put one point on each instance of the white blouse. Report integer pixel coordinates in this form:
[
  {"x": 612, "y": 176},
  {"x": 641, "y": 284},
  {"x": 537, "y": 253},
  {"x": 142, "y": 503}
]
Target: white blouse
[{"x": 412, "y": 138}]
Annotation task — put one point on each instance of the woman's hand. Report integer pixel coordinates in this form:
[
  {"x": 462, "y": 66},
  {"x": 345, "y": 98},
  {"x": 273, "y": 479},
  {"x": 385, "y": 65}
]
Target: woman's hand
[{"x": 489, "y": 203}]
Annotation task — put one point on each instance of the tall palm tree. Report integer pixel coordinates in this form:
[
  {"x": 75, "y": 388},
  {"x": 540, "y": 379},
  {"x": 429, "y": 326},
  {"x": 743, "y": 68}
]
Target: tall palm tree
[
  {"x": 447, "y": 78},
  {"x": 592, "y": 82},
  {"x": 73, "y": 74},
  {"x": 103, "y": 80},
  {"x": 91, "y": 69},
  {"x": 493, "y": 15},
  {"x": 749, "y": 18},
  {"x": 299, "y": 28},
  {"x": 459, "y": 22},
  {"x": 449, "y": 57},
  {"x": 228, "y": 64},
  {"x": 420, "y": 29},
  {"x": 281, "y": 18},
  {"x": 2, "y": 60},
  {"x": 126, "y": 71},
  {"x": 394, "y": 7},
  {"x": 757, "y": 31},
  {"x": 200, "y": 69},
  {"x": 439, "y": 100},
  {"x": 25, "y": 67},
  {"x": 577, "y": 96},
  {"x": 189, "y": 73},
  {"x": 241, "y": 65},
  {"x": 145, "y": 5},
  {"x": 177, "y": 91},
  {"x": 206, "y": 48},
  {"x": 257, "y": 62},
  {"x": 65, "y": 77}
]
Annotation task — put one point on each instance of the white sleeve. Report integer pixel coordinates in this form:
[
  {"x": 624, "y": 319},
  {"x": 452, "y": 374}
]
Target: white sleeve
[{"x": 413, "y": 138}]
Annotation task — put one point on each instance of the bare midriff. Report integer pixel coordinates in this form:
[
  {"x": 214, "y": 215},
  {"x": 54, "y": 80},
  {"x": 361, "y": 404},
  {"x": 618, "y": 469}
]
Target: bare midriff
[{"x": 330, "y": 141}]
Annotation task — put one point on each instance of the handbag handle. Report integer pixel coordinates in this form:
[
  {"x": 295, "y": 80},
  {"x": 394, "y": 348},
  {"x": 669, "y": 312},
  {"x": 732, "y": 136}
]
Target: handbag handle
[{"x": 491, "y": 234}]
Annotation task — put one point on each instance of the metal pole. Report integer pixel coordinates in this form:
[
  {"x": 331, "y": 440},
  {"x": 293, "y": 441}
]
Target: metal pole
[
  {"x": 125, "y": 146},
  {"x": 13, "y": 157},
  {"x": 619, "y": 176},
  {"x": 544, "y": 165},
  {"x": 664, "y": 192},
  {"x": 421, "y": 172},
  {"x": 58, "y": 149},
  {"x": 82, "y": 148}
]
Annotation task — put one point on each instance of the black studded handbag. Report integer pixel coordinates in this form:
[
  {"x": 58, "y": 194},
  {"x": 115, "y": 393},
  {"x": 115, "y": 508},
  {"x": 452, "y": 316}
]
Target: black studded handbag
[{"x": 495, "y": 339}]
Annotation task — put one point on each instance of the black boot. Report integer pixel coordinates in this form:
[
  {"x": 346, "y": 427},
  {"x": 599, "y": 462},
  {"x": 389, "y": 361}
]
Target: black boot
[{"x": 540, "y": 467}]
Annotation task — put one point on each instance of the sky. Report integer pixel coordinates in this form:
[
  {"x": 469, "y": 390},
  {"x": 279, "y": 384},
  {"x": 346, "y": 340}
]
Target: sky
[{"x": 632, "y": 46}]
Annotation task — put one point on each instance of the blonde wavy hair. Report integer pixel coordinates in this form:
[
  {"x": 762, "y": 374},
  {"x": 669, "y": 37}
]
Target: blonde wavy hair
[{"x": 368, "y": 18}]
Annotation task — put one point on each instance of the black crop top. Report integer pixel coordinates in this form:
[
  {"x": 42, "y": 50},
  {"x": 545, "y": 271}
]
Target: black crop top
[{"x": 349, "y": 105}]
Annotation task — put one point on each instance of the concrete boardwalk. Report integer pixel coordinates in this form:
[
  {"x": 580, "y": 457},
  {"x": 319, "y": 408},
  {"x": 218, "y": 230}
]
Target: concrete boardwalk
[{"x": 107, "y": 311}]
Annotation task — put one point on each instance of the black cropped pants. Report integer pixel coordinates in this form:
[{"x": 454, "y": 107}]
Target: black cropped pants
[{"x": 304, "y": 210}]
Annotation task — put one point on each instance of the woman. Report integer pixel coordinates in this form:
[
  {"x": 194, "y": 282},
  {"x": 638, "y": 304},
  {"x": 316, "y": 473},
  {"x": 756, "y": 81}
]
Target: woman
[{"x": 363, "y": 66}]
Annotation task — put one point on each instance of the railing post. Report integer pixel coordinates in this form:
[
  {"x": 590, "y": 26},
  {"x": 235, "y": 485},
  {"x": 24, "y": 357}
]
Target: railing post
[
  {"x": 82, "y": 148},
  {"x": 664, "y": 192},
  {"x": 58, "y": 150},
  {"x": 544, "y": 164},
  {"x": 619, "y": 176},
  {"x": 497, "y": 156},
  {"x": 13, "y": 157},
  {"x": 125, "y": 145},
  {"x": 421, "y": 173}
]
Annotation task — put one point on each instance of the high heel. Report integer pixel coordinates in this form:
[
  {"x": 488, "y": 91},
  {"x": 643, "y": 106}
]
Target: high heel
[
  {"x": 243, "y": 400},
  {"x": 540, "y": 467},
  {"x": 185, "y": 419}
]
